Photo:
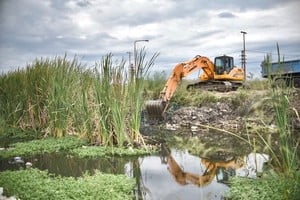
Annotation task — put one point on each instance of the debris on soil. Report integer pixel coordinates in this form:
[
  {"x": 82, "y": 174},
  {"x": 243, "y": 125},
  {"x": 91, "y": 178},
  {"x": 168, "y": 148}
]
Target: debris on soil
[{"x": 220, "y": 115}]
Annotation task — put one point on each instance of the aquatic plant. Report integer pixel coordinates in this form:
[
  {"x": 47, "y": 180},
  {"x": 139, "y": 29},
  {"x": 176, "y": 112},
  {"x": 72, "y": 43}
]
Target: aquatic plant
[
  {"x": 273, "y": 186},
  {"x": 71, "y": 145},
  {"x": 48, "y": 145},
  {"x": 36, "y": 184},
  {"x": 101, "y": 152}
]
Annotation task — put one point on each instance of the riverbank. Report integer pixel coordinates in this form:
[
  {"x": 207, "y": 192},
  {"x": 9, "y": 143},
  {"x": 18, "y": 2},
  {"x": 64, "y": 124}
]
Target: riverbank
[{"x": 236, "y": 117}]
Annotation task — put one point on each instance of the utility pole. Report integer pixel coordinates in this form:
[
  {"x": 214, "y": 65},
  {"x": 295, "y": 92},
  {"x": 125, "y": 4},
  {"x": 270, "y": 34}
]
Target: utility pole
[
  {"x": 243, "y": 55},
  {"x": 130, "y": 66},
  {"x": 129, "y": 57}
]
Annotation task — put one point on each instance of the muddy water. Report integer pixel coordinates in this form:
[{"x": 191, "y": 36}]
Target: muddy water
[
  {"x": 173, "y": 174},
  {"x": 66, "y": 165}
]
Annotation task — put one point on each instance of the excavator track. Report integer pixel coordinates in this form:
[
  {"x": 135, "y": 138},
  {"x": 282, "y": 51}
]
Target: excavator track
[
  {"x": 220, "y": 86},
  {"x": 155, "y": 109}
]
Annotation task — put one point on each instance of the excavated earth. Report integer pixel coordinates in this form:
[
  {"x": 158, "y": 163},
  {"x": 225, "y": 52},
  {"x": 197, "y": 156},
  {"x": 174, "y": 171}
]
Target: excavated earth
[
  {"x": 219, "y": 115},
  {"x": 220, "y": 126}
]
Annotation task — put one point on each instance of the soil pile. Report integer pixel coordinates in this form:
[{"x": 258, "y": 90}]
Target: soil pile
[{"x": 221, "y": 114}]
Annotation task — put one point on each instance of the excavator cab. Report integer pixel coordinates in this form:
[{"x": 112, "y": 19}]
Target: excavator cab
[{"x": 223, "y": 64}]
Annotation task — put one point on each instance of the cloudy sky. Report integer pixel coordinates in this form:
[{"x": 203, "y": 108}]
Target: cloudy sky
[{"x": 177, "y": 29}]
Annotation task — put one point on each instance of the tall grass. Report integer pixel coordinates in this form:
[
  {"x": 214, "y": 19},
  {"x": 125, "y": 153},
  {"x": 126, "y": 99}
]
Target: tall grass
[
  {"x": 137, "y": 88},
  {"x": 286, "y": 158},
  {"x": 112, "y": 103},
  {"x": 59, "y": 97}
]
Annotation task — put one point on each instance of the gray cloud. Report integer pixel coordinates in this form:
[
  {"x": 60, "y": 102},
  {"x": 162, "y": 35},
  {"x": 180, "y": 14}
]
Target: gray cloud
[
  {"x": 226, "y": 15},
  {"x": 179, "y": 30}
]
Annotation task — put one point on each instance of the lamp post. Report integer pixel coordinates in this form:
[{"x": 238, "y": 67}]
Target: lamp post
[
  {"x": 129, "y": 56},
  {"x": 135, "y": 51},
  {"x": 130, "y": 66},
  {"x": 243, "y": 55}
]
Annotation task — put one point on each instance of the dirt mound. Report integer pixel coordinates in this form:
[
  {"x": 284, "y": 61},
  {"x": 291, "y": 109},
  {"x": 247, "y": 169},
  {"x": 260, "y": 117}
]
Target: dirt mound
[{"x": 221, "y": 114}]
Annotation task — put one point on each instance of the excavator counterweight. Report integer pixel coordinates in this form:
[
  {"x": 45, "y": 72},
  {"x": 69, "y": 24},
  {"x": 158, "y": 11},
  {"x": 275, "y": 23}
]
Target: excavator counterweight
[{"x": 219, "y": 76}]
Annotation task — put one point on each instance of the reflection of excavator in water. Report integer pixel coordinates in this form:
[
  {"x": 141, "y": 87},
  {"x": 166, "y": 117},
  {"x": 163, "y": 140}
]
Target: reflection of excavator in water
[
  {"x": 219, "y": 76},
  {"x": 212, "y": 168}
]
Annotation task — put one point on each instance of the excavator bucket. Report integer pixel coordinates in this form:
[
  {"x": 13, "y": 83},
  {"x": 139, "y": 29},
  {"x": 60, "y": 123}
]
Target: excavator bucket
[{"x": 155, "y": 109}]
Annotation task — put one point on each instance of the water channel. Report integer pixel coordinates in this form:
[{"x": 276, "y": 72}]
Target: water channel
[{"x": 172, "y": 174}]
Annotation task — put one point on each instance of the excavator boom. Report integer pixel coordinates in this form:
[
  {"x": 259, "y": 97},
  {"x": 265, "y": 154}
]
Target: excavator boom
[
  {"x": 156, "y": 108},
  {"x": 225, "y": 77},
  {"x": 184, "y": 69}
]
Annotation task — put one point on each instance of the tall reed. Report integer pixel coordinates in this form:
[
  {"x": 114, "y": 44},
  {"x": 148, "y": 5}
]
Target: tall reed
[
  {"x": 110, "y": 91},
  {"x": 59, "y": 97},
  {"x": 136, "y": 90}
]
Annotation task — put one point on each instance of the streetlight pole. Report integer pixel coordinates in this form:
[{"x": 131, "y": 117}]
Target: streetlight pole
[
  {"x": 130, "y": 66},
  {"x": 243, "y": 55},
  {"x": 129, "y": 56},
  {"x": 135, "y": 51}
]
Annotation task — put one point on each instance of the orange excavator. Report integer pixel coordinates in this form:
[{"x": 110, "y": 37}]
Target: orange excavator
[
  {"x": 212, "y": 168},
  {"x": 219, "y": 76}
]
